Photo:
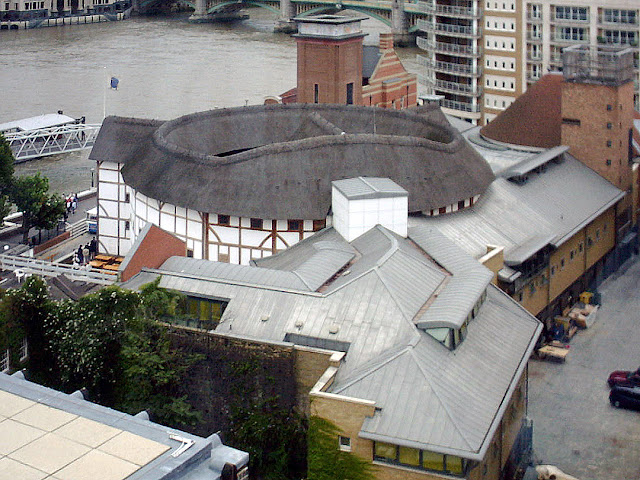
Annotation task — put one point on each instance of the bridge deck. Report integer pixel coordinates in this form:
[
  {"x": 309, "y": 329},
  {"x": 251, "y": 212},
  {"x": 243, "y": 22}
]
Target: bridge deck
[{"x": 51, "y": 141}]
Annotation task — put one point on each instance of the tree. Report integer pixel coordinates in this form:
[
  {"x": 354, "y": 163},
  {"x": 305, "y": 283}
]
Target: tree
[
  {"x": 31, "y": 196},
  {"x": 6, "y": 177},
  {"x": 326, "y": 461}
]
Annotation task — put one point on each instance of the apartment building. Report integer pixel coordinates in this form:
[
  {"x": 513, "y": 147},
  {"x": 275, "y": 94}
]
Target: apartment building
[
  {"x": 480, "y": 55},
  {"x": 551, "y": 26}
]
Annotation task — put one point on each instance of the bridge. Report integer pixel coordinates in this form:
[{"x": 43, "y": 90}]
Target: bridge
[
  {"x": 26, "y": 145},
  {"x": 400, "y": 15}
]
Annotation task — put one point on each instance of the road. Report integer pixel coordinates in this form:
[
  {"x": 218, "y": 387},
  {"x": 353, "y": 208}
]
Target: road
[{"x": 575, "y": 428}]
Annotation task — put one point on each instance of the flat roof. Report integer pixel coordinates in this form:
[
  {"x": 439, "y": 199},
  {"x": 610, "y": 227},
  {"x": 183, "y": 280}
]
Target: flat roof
[
  {"x": 35, "y": 123},
  {"x": 49, "y": 434}
]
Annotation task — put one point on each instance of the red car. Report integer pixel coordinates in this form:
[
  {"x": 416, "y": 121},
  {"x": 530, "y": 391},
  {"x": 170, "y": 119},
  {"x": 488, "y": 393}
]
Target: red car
[{"x": 624, "y": 378}]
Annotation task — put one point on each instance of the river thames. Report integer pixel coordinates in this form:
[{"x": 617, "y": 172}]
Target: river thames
[{"x": 166, "y": 67}]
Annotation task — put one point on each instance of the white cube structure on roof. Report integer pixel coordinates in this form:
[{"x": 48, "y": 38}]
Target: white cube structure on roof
[{"x": 361, "y": 203}]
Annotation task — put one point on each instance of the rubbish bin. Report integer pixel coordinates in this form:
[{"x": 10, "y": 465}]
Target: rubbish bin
[{"x": 585, "y": 297}]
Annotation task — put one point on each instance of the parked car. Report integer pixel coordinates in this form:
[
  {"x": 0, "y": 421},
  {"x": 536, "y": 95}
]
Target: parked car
[
  {"x": 625, "y": 397},
  {"x": 624, "y": 377}
]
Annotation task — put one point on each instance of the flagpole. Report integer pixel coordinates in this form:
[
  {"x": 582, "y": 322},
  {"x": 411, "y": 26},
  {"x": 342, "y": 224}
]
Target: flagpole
[{"x": 104, "y": 95}]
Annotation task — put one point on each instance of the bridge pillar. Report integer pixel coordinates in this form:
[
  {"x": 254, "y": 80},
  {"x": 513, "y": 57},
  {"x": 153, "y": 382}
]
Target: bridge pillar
[
  {"x": 400, "y": 24},
  {"x": 287, "y": 14},
  {"x": 200, "y": 12}
]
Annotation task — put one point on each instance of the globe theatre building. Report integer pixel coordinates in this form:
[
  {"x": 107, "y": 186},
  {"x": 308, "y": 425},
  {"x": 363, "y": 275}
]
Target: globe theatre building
[{"x": 244, "y": 183}]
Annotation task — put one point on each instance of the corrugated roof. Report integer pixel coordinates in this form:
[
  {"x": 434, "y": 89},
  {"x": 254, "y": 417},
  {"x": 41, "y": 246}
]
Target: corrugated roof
[{"x": 535, "y": 161}]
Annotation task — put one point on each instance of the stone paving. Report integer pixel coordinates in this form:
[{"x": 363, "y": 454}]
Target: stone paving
[{"x": 575, "y": 428}]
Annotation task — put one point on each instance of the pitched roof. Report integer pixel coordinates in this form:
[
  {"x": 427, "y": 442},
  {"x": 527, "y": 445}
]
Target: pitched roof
[
  {"x": 427, "y": 396},
  {"x": 534, "y": 119},
  {"x": 216, "y": 161}
]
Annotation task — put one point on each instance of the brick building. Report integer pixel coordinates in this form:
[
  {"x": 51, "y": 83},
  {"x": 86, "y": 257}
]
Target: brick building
[{"x": 335, "y": 67}]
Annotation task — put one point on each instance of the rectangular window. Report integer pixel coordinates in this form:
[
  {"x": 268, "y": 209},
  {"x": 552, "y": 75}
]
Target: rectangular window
[
  {"x": 24, "y": 350},
  {"x": 205, "y": 311},
  {"x": 224, "y": 220},
  {"x": 460, "y": 204},
  {"x": 433, "y": 461},
  {"x": 127, "y": 197},
  {"x": 571, "y": 121},
  {"x": 315, "y": 93},
  {"x": 256, "y": 223},
  {"x": 127, "y": 225},
  {"x": 409, "y": 456},
  {"x": 4, "y": 361},
  {"x": 344, "y": 443},
  {"x": 350, "y": 93},
  {"x": 319, "y": 225},
  {"x": 294, "y": 225},
  {"x": 385, "y": 452}
]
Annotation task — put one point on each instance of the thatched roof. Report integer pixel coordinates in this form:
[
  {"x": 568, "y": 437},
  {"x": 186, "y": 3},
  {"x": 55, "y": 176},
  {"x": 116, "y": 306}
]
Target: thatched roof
[{"x": 278, "y": 161}]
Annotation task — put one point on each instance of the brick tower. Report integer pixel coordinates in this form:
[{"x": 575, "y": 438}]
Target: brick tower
[{"x": 329, "y": 59}]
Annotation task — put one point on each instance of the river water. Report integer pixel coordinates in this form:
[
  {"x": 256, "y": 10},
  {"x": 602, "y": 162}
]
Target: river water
[{"x": 166, "y": 66}]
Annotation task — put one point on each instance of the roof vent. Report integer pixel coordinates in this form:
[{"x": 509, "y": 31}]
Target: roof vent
[
  {"x": 299, "y": 324},
  {"x": 264, "y": 318},
  {"x": 346, "y": 272},
  {"x": 334, "y": 328}
]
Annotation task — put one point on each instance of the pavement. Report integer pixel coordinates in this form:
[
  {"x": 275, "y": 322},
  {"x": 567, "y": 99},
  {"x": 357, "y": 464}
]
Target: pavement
[{"x": 575, "y": 428}]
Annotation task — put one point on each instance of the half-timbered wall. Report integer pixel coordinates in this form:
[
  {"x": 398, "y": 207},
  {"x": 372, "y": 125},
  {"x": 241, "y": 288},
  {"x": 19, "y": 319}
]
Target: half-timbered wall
[{"x": 123, "y": 213}]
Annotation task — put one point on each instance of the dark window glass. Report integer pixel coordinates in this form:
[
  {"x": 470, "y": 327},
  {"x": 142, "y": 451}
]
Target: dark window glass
[
  {"x": 224, "y": 219},
  {"x": 256, "y": 223}
]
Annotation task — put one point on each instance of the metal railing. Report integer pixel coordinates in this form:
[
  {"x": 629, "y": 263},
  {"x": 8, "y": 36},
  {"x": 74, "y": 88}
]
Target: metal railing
[
  {"x": 464, "y": 30},
  {"x": 51, "y": 141},
  {"x": 460, "y": 106},
  {"x": 450, "y": 10},
  {"x": 444, "y": 47},
  {"x": 448, "y": 67},
  {"x": 33, "y": 266}
]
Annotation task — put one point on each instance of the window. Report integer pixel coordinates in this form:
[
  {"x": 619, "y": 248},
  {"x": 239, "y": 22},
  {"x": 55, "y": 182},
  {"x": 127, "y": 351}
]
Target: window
[
  {"x": 422, "y": 459},
  {"x": 224, "y": 220},
  {"x": 609, "y": 125},
  {"x": 609, "y": 107},
  {"x": 460, "y": 204},
  {"x": 571, "y": 13},
  {"x": 190, "y": 253},
  {"x": 4, "y": 361},
  {"x": 572, "y": 33},
  {"x": 344, "y": 443},
  {"x": 580, "y": 247},
  {"x": 127, "y": 225},
  {"x": 127, "y": 197},
  {"x": 256, "y": 223},
  {"x": 553, "y": 270},
  {"x": 571, "y": 121},
  {"x": 315, "y": 93},
  {"x": 206, "y": 312},
  {"x": 350, "y": 93},
  {"x": 608, "y": 143},
  {"x": 294, "y": 225},
  {"x": 608, "y": 162},
  {"x": 319, "y": 225},
  {"x": 562, "y": 264},
  {"x": 24, "y": 350}
]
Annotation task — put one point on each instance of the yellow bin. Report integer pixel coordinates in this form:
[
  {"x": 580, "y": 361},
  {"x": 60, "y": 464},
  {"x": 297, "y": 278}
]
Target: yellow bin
[{"x": 585, "y": 297}]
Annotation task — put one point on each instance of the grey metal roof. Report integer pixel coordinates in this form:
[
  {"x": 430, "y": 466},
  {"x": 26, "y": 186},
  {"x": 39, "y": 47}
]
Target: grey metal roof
[
  {"x": 370, "y": 56},
  {"x": 229, "y": 272},
  {"x": 535, "y": 161},
  {"x": 430, "y": 397},
  {"x": 368, "y": 187},
  {"x": 301, "y": 148},
  {"x": 552, "y": 205},
  {"x": 466, "y": 284},
  {"x": 449, "y": 402},
  {"x": 35, "y": 123}
]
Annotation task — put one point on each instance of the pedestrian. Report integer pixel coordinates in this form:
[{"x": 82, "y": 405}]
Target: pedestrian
[
  {"x": 93, "y": 248},
  {"x": 80, "y": 255},
  {"x": 74, "y": 203},
  {"x": 85, "y": 253},
  {"x": 68, "y": 205}
]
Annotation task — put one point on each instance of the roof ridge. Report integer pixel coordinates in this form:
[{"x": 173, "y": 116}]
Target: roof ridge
[{"x": 436, "y": 392}]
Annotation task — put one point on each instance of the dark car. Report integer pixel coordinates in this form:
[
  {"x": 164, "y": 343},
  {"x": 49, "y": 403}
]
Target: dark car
[
  {"x": 625, "y": 397},
  {"x": 624, "y": 377}
]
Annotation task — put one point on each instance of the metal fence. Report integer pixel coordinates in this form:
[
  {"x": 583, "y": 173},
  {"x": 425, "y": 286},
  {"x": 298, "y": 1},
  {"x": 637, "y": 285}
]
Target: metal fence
[{"x": 24, "y": 266}]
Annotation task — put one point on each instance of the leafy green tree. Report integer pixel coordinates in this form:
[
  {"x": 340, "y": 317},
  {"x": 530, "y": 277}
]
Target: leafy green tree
[
  {"x": 325, "y": 461},
  {"x": 86, "y": 338},
  {"x": 23, "y": 311},
  {"x": 30, "y": 194},
  {"x": 273, "y": 436},
  {"x": 6, "y": 177}
]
